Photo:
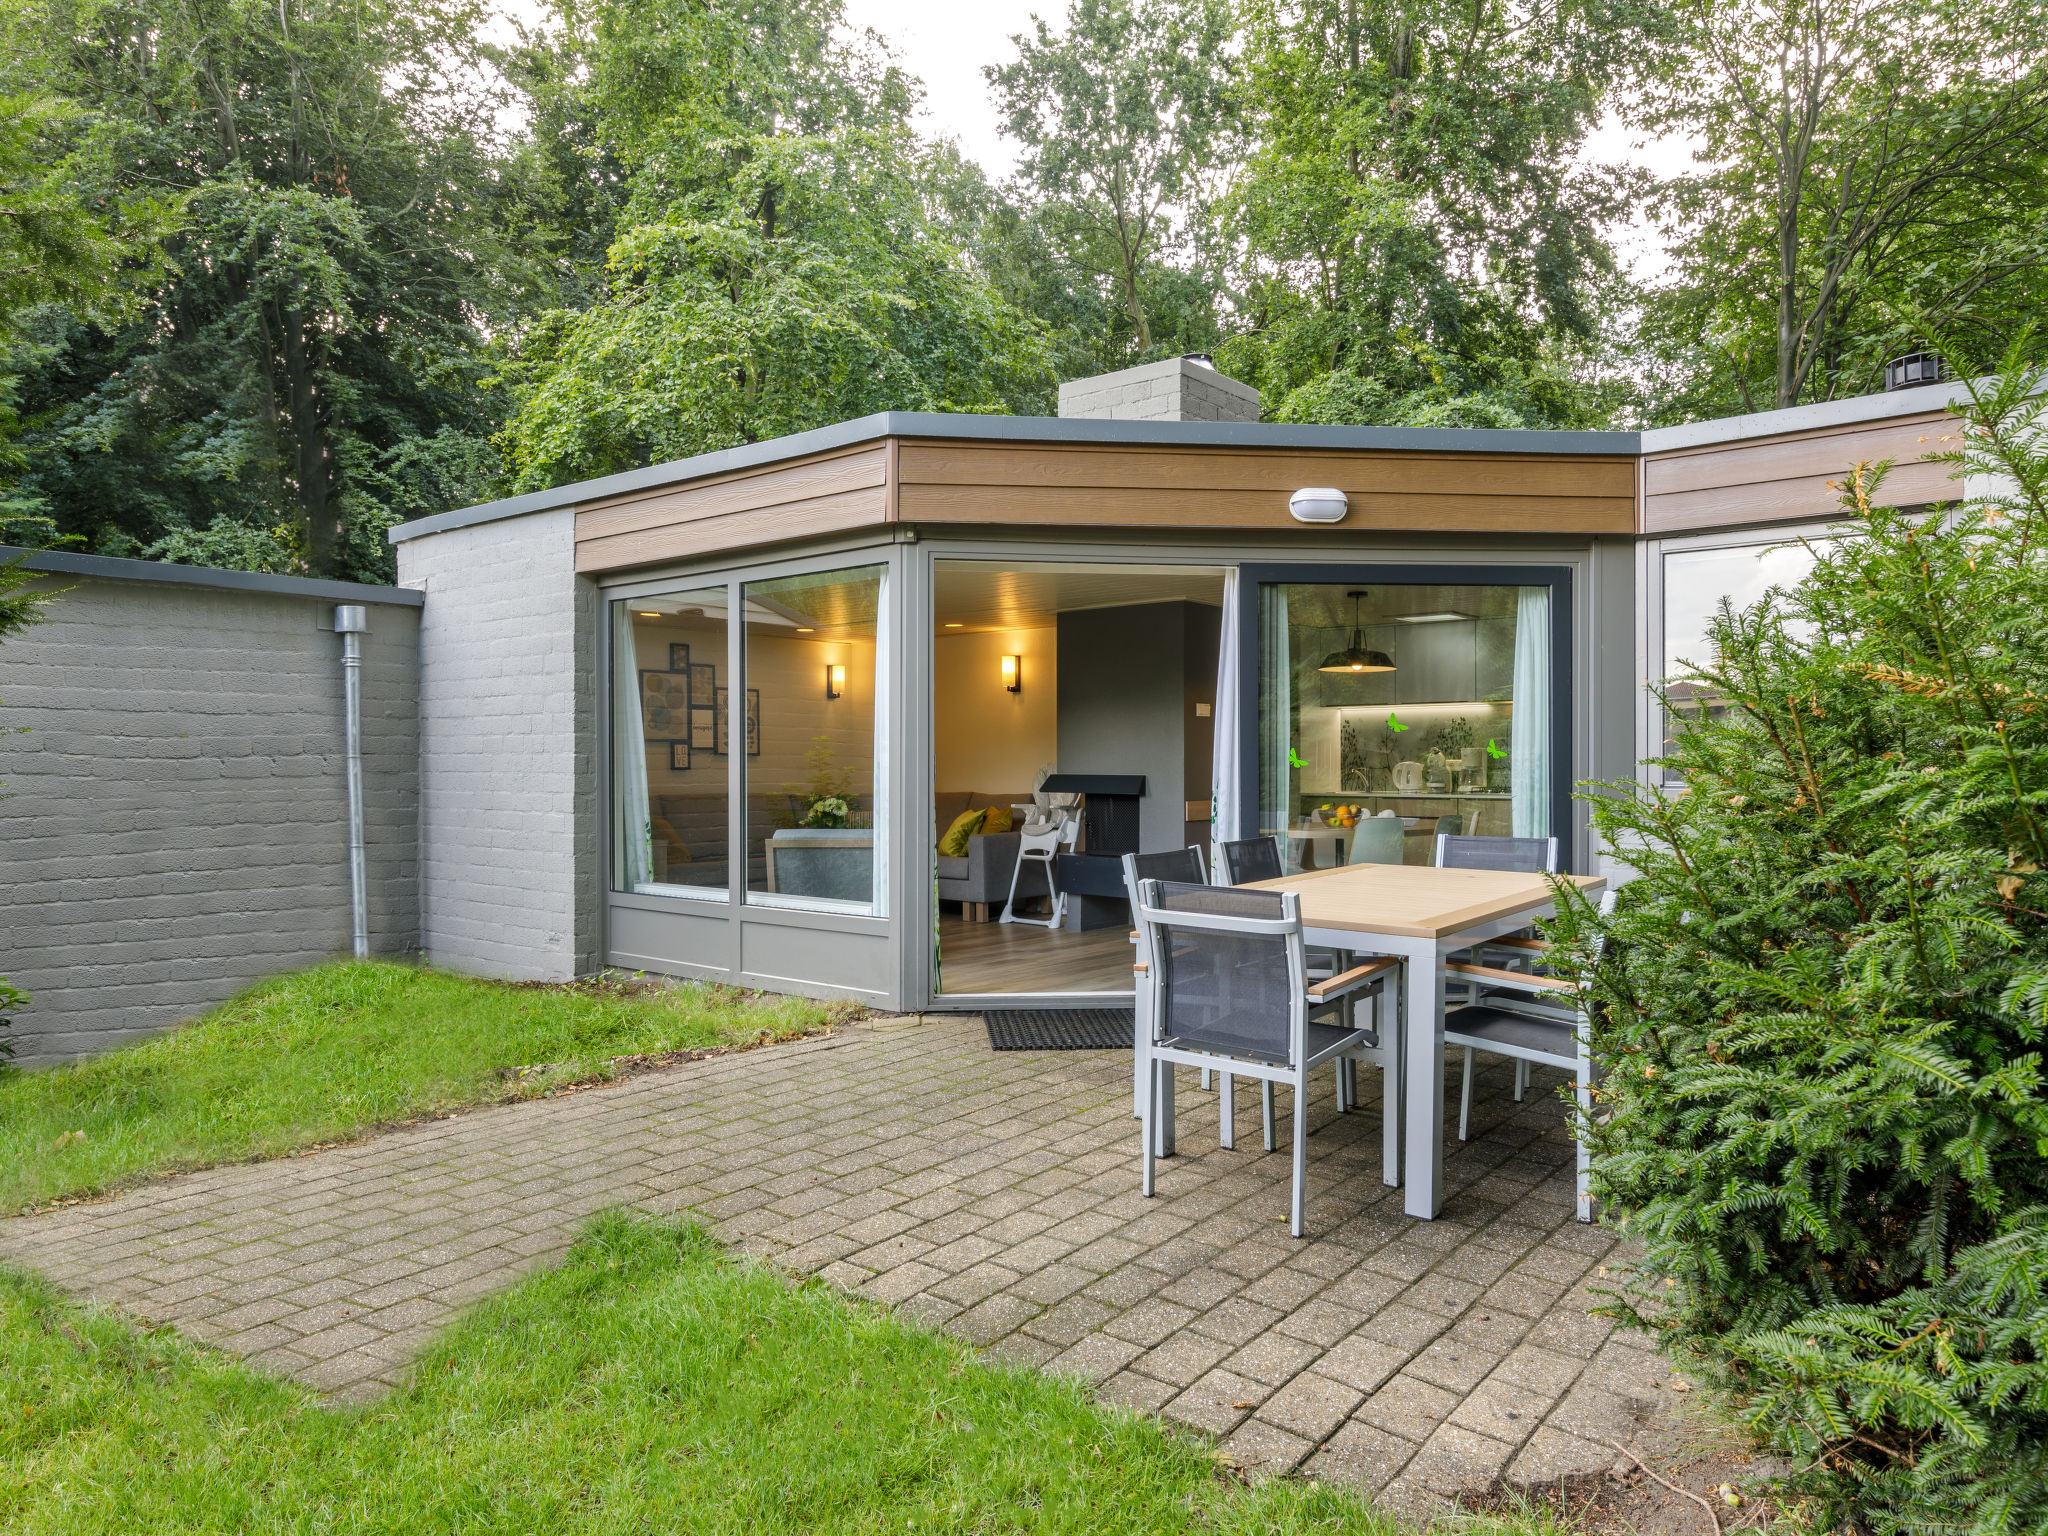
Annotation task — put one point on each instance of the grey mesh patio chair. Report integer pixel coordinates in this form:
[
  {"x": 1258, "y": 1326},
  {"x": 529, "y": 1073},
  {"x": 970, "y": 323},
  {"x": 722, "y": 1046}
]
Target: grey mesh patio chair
[
  {"x": 1258, "y": 858},
  {"x": 1250, "y": 859},
  {"x": 1185, "y": 866},
  {"x": 1229, "y": 989},
  {"x": 1512, "y": 1018},
  {"x": 1516, "y": 855}
]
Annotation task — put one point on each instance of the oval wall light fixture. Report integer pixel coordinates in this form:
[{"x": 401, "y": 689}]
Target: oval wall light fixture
[{"x": 1318, "y": 504}]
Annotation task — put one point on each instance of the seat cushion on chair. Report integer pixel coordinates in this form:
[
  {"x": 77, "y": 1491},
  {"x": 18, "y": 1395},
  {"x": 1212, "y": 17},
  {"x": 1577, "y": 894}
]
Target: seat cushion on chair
[{"x": 1484, "y": 1028}]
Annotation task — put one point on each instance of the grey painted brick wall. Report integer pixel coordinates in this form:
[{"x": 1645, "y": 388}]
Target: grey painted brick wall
[
  {"x": 1175, "y": 389},
  {"x": 509, "y": 841},
  {"x": 174, "y": 819}
]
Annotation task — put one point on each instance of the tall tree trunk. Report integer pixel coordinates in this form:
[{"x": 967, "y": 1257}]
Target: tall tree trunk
[{"x": 310, "y": 459}]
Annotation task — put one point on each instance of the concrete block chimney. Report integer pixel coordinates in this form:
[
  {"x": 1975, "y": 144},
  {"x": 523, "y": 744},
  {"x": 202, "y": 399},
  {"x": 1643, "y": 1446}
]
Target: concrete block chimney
[{"x": 1184, "y": 388}]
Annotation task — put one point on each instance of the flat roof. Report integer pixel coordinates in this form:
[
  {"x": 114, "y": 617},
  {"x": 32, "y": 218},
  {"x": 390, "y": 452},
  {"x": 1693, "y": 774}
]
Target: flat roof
[
  {"x": 1029, "y": 429},
  {"x": 107, "y": 568},
  {"x": 1189, "y": 434}
]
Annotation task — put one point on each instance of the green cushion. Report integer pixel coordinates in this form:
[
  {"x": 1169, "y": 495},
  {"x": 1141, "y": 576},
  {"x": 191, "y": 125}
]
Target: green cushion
[{"x": 954, "y": 844}]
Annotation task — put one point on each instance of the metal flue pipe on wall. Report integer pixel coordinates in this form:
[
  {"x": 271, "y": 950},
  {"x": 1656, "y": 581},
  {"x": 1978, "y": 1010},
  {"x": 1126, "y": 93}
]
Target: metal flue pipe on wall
[{"x": 352, "y": 622}]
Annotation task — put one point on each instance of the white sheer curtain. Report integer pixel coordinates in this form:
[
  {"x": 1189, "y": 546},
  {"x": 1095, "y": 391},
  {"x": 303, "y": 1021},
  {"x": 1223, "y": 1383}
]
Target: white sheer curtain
[
  {"x": 1223, "y": 793},
  {"x": 1529, "y": 751},
  {"x": 879, "y": 781},
  {"x": 634, "y": 829},
  {"x": 1276, "y": 714}
]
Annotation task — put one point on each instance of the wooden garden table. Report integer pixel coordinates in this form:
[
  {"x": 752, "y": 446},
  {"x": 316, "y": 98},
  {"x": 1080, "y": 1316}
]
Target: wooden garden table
[{"x": 1423, "y": 915}]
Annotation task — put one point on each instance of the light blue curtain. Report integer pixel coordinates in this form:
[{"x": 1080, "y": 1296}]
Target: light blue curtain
[
  {"x": 1276, "y": 714},
  {"x": 631, "y": 814},
  {"x": 1223, "y": 795},
  {"x": 1529, "y": 751}
]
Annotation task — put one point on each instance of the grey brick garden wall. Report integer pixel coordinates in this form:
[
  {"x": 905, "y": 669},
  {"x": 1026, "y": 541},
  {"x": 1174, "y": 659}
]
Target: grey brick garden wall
[
  {"x": 509, "y": 841},
  {"x": 174, "y": 820}
]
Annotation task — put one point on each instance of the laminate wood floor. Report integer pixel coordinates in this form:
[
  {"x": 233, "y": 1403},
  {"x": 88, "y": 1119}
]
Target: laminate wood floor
[{"x": 1012, "y": 957}]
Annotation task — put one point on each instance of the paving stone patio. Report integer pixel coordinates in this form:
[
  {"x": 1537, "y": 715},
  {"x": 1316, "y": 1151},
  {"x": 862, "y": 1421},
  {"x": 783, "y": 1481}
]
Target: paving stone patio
[{"x": 992, "y": 1194}]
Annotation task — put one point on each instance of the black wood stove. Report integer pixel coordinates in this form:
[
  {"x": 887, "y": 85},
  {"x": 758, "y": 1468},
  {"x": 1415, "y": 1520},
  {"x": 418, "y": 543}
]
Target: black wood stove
[{"x": 1093, "y": 876}]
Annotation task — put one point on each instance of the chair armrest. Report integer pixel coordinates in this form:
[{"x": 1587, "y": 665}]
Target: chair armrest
[
  {"x": 1534, "y": 946},
  {"x": 1344, "y": 981},
  {"x": 1520, "y": 981},
  {"x": 1139, "y": 967}
]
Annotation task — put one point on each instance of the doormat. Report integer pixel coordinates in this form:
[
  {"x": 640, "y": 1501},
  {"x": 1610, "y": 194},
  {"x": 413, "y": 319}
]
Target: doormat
[{"x": 1060, "y": 1029}]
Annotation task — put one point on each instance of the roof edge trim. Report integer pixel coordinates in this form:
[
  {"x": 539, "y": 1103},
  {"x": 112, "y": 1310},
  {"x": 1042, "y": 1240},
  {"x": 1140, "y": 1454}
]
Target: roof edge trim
[{"x": 107, "y": 568}]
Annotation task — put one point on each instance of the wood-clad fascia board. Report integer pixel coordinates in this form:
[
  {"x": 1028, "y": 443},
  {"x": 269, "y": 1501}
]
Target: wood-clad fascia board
[
  {"x": 1782, "y": 501},
  {"x": 1827, "y": 453},
  {"x": 1193, "y": 508},
  {"x": 796, "y": 483},
  {"x": 1271, "y": 471},
  {"x": 747, "y": 528}
]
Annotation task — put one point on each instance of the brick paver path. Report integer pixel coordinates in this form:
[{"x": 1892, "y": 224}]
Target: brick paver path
[{"x": 995, "y": 1195}]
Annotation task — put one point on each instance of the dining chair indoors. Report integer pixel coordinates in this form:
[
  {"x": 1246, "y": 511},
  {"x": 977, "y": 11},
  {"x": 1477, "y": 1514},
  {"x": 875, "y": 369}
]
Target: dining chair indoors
[
  {"x": 1229, "y": 989},
  {"x": 1533, "y": 1020}
]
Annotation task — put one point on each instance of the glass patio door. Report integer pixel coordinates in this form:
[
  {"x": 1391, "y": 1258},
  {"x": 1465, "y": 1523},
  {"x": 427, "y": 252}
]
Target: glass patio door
[{"x": 1392, "y": 709}]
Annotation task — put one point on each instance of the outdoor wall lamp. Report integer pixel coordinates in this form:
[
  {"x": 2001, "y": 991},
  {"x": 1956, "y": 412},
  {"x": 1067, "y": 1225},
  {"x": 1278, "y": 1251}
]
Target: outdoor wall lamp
[
  {"x": 835, "y": 679},
  {"x": 1013, "y": 674},
  {"x": 1318, "y": 504}
]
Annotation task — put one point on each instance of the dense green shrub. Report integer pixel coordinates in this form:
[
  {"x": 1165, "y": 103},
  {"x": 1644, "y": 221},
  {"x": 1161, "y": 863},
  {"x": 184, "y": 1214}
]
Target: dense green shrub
[{"x": 1824, "y": 998}]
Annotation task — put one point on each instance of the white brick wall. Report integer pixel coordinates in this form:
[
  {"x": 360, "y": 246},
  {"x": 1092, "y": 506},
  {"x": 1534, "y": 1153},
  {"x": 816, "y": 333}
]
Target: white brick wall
[
  {"x": 509, "y": 841},
  {"x": 1174, "y": 390},
  {"x": 174, "y": 816}
]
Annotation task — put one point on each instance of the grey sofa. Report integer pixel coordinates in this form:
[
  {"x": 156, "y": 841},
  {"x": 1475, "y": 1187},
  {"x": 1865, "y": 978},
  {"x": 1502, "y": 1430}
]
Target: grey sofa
[{"x": 980, "y": 881}]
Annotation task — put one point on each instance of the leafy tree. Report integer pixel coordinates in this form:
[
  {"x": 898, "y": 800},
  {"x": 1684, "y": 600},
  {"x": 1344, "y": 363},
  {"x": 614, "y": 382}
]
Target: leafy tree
[
  {"x": 1413, "y": 209},
  {"x": 1121, "y": 118},
  {"x": 782, "y": 261},
  {"x": 1826, "y": 1122},
  {"x": 318, "y": 334},
  {"x": 1874, "y": 169}
]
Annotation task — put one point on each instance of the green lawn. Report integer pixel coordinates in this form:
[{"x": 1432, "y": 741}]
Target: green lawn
[
  {"x": 325, "y": 1053},
  {"x": 649, "y": 1384}
]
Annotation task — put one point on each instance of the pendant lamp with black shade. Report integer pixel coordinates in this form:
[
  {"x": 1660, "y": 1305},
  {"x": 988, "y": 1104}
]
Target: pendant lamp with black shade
[{"x": 1355, "y": 657}]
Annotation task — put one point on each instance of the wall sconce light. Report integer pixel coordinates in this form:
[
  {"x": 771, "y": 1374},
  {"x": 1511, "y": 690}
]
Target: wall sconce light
[
  {"x": 835, "y": 679},
  {"x": 1013, "y": 674}
]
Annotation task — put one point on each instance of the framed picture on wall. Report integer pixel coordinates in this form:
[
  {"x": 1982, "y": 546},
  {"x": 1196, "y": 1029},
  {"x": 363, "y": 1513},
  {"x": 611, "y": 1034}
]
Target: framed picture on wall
[
  {"x": 679, "y": 756},
  {"x": 664, "y": 705},
  {"x": 753, "y": 721},
  {"x": 678, "y": 656},
  {"x": 703, "y": 728},
  {"x": 703, "y": 683}
]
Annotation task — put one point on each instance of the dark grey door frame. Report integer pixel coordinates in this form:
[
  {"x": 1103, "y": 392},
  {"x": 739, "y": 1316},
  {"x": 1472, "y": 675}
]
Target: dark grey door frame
[{"x": 1563, "y": 621}]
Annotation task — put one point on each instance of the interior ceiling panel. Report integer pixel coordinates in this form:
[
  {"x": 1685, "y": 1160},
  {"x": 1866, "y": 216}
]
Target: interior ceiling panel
[{"x": 989, "y": 594}]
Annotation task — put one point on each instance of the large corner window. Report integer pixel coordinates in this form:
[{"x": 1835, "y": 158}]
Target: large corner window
[
  {"x": 669, "y": 752},
  {"x": 813, "y": 719},
  {"x": 1694, "y": 584},
  {"x": 1391, "y": 713}
]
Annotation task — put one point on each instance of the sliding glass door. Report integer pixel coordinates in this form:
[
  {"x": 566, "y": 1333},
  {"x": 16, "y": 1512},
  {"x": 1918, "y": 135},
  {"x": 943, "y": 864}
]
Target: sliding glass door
[{"x": 1391, "y": 709}]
